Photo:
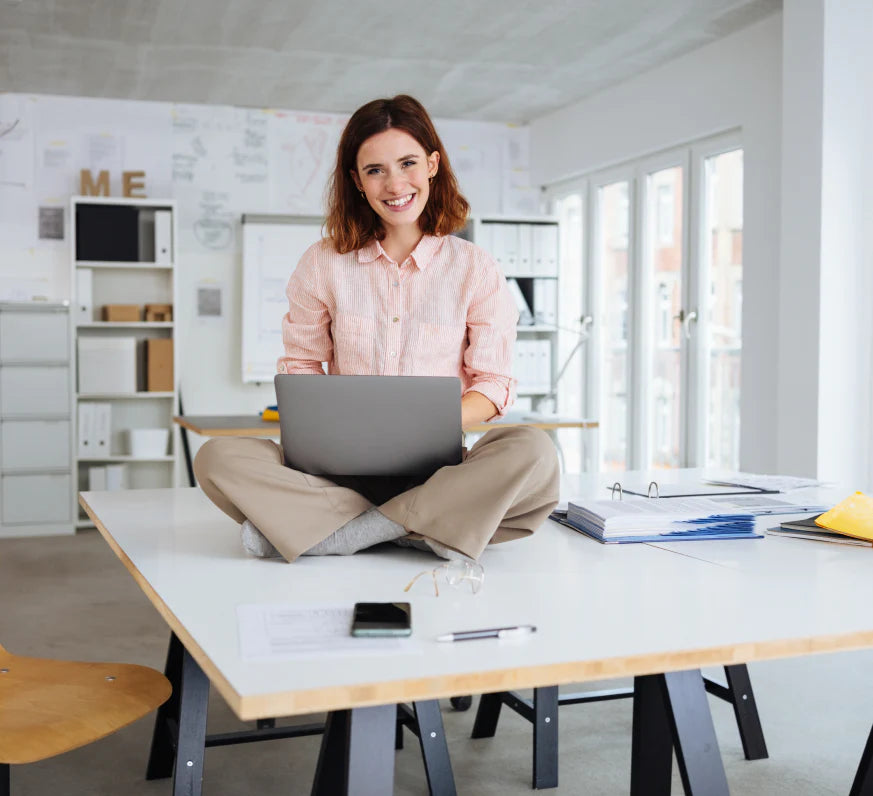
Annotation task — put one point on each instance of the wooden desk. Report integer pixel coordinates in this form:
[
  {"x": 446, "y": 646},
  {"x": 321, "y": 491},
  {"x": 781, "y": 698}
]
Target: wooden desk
[
  {"x": 601, "y": 612},
  {"x": 253, "y": 426}
]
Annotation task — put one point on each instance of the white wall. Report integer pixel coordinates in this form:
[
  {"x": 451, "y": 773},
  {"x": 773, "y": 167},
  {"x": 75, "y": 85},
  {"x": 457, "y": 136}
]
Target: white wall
[
  {"x": 826, "y": 334},
  {"x": 734, "y": 82},
  {"x": 217, "y": 162}
]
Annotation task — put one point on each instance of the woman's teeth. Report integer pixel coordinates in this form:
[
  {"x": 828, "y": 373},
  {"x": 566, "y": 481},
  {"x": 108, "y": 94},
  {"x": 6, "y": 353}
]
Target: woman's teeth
[{"x": 403, "y": 200}]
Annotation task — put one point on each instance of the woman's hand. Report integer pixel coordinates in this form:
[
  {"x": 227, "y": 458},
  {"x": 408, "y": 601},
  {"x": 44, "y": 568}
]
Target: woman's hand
[{"x": 475, "y": 409}]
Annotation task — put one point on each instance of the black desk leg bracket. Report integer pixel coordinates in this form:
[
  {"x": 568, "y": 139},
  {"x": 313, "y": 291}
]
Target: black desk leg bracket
[
  {"x": 357, "y": 753},
  {"x": 863, "y": 784},
  {"x": 671, "y": 712},
  {"x": 179, "y": 737}
]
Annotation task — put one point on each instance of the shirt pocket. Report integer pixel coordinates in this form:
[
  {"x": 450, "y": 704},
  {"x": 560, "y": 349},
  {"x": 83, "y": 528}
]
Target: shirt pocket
[
  {"x": 354, "y": 344},
  {"x": 442, "y": 347}
]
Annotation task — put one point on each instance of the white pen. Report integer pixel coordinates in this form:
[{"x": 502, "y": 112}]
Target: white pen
[{"x": 492, "y": 632}]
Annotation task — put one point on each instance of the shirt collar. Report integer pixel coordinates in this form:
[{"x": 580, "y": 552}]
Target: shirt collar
[{"x": 421, "y": 255}]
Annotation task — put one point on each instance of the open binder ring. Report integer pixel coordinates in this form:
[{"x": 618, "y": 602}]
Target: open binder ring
[{"x": 653, "y": 490}]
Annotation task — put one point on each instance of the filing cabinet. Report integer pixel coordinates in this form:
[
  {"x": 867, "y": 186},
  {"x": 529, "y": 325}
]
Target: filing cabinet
[{"x": 36, "y": 439}]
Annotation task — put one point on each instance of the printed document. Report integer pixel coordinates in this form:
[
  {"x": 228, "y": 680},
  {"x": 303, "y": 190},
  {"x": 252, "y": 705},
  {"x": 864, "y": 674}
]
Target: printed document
[{"x": 275, "y": 631}]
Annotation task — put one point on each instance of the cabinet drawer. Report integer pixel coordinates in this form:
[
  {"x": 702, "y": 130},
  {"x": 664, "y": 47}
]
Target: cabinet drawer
[
  {"x": 34, "y": 336},
  {"x": 26, "y": 390},
  {"x": 34, "y": 443},
  {"x": 35, "y": 498}
]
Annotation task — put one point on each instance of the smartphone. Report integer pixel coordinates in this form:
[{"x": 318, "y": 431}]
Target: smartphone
[{"x": 382, "y": 619}]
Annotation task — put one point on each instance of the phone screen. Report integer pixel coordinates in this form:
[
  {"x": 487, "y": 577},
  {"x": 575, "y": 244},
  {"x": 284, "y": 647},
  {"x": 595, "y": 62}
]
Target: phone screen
[{"x": 382, "y": 619}]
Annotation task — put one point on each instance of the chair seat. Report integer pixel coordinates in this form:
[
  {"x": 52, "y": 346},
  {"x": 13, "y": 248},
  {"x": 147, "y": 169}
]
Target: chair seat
[{"x": 50, "y": 706}]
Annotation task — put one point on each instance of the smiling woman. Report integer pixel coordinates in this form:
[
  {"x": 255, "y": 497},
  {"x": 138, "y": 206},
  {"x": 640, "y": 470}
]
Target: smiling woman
[{"x": 391, "y": 292}]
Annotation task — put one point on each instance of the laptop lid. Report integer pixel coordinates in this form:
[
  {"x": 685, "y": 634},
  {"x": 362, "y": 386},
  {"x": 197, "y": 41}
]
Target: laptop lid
[{"x": 369, "y": 425}]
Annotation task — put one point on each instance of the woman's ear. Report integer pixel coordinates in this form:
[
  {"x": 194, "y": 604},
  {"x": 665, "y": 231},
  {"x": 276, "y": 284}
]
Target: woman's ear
[
  {"x": 433, "y": 162},
  {"x": 357, "y": 179}
]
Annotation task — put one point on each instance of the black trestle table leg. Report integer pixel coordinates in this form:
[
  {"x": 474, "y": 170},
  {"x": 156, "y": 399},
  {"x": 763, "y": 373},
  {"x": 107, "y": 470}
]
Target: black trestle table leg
[
  {"x": 651, "y": 742},
  {"x": 863, "y": 784},
  {"x": 163, "y": 749},
  {"x": 746, "y": 711},
  {"x": 191, "y": 748},
  {"x": 487, "y": 715},
  {"x": 357, "y": 753},
  {"x": 545, "y": 738},
  {"x": 434, "y": 750}
]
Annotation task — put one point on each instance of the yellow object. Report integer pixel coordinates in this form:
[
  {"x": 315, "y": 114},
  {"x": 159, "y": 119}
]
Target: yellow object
[
  {"x": 852, "y": 517},
  {"x": 270, "y": 414}
]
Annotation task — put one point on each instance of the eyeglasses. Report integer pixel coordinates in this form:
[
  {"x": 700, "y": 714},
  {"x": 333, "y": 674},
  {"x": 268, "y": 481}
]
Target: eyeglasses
[{"x": 455, "y": 572}]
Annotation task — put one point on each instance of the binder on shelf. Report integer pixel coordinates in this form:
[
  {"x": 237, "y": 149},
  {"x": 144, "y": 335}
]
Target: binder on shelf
[
  {"x": 525, "y": 316},
  {"x": 163, "y": 237},
  {"x": 85, "y": 436},
  {"x": 146, "y": 230},
  {"x": 525, "y": 252},
  {"x": 545, "y": 250},
  {"x": 102, "y": 424},
  {"x": 84, "y": 306},
  {"x": 107, "y": 364}
]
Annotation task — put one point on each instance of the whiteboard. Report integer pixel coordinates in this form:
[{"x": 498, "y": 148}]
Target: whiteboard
[{"x": 271, "y": 248}]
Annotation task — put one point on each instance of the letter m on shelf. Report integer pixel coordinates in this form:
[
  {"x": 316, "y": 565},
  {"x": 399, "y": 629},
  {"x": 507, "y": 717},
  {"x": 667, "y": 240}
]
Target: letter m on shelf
[{"x": 87, "y": 185}]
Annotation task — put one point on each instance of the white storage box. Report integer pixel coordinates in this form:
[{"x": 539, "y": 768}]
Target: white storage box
[
  {"x": 107, "y": 364},
  {"x": 148, "y": 443}
]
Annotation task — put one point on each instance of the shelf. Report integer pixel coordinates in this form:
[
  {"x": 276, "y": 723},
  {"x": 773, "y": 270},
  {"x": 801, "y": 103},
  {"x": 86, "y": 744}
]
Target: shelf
[
  {"x": 102, "y": 396},
  {"x": 126, "y": 325},
  {"x": 531, "y": 276},
  {"x": 120, "y": 266},
  {"x": 536, "y": 328},
  {"x": 531, "y": 393},
  {"x": 93, "y": 459}
]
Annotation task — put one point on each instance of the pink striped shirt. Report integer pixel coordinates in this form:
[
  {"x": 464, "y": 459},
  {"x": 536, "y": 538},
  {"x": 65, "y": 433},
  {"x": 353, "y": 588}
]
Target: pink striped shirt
[{"x": 445, "y": 311}]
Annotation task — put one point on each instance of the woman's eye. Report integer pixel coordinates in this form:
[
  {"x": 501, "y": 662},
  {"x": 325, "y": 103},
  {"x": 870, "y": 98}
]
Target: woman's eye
[
  {"x": 372, "y": 171},
  {"x": 408, "y": 162}
]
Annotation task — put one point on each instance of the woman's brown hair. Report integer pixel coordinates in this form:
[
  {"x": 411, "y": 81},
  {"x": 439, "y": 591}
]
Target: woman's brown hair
[{"x": 351, "y": 222}]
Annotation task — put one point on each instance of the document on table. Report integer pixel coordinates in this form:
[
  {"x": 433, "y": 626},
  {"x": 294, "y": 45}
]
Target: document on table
[
  {"x": 276, "y": 631},
  {"x": 775, "y": 483}
]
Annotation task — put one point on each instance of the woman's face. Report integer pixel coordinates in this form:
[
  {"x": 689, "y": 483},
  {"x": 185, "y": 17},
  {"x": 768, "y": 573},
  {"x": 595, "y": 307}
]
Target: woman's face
[{"x": 393, "y": 171}]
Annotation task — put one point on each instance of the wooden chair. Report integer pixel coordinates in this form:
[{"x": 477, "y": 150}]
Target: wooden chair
[{"x": 48, "y": 706}]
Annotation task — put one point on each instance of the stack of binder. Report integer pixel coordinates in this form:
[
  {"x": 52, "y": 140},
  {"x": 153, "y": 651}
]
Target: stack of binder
[{"x": 644, "y": 520}]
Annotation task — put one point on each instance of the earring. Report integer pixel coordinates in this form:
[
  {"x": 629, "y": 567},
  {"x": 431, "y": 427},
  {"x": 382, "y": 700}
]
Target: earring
[
  {"x": 430, "y": 179},
  {"x": 363, "y": 195}
]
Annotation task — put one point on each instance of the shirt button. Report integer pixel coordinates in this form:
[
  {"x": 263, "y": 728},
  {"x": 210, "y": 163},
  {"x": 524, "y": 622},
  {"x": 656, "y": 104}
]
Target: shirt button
[
  {"x": 393, "y": 354},
  {"x": 395, "y": 319},
  {"x": 396, "y": 284}
]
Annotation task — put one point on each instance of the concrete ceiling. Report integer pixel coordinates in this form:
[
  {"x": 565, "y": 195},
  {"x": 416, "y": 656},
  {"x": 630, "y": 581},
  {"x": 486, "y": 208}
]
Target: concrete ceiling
[{"x": 496, "y": 60}]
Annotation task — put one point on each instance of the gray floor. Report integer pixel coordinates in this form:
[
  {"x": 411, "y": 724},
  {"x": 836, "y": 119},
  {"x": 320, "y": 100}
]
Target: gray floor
[{"x": 70, "y": 597}]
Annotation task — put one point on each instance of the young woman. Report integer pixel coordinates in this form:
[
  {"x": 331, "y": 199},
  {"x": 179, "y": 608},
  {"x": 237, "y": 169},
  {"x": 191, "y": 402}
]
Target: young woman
[{"x": 390, "y": 291}]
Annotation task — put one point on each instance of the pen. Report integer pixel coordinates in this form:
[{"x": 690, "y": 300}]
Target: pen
[{"x": 492, "y": 632}]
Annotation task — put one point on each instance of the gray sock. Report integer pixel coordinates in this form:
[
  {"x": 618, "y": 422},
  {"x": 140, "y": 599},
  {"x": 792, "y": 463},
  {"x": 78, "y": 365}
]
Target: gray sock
[
  {"x": 255, "y": 543},
  {"x": 367, "y": 529},
  {"x": 433, "y": 546}
]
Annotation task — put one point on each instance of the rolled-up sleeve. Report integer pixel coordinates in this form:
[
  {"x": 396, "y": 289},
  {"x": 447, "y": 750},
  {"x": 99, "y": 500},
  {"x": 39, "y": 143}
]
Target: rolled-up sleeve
[
  {"x": 306, "y": 326},
  {"x": 491, "y": 328}
]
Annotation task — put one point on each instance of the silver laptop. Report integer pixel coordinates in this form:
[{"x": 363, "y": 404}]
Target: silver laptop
[{"x": 369, "y": 425}]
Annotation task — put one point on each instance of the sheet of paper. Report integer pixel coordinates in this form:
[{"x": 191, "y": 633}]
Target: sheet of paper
[
  {"x": 276, "y": 631},
  {"x": 777, "y": 483}
]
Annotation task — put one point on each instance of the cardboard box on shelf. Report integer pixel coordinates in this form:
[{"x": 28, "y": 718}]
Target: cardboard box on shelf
[
  {"x": 121, "y": 312},
  {"x": 159, "y": 312},
  {"x": 159, "y": 365}
]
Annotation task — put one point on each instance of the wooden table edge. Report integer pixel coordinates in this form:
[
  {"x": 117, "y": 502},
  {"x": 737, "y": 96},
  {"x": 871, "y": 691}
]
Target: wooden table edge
[{"x": 317, "y": 700}]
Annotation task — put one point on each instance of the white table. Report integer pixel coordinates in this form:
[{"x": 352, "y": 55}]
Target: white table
[{"x": 655, "y": 612}]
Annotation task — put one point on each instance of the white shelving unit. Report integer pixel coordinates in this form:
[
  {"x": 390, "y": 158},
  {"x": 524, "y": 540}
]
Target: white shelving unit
[
  {"x": 526, "y": 248},
  {"x": 119, "y": 270}
]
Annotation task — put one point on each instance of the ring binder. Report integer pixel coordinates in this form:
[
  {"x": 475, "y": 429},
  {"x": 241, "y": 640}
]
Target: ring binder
[
  {"x": 652, "y": 484},
  {"x": 655, "y": 490}
]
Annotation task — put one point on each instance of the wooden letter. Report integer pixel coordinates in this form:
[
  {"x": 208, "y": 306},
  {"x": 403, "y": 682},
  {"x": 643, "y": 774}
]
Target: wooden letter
[
  {"x": 132, "y": 181},
  {"x": 87, "y": 186}
]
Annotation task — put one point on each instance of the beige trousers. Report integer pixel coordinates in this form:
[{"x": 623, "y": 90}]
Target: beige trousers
[{"x": 504, "y": 489}]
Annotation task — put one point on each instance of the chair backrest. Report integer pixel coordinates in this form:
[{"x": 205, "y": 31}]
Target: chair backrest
[{"x": 52, "y": 706}]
